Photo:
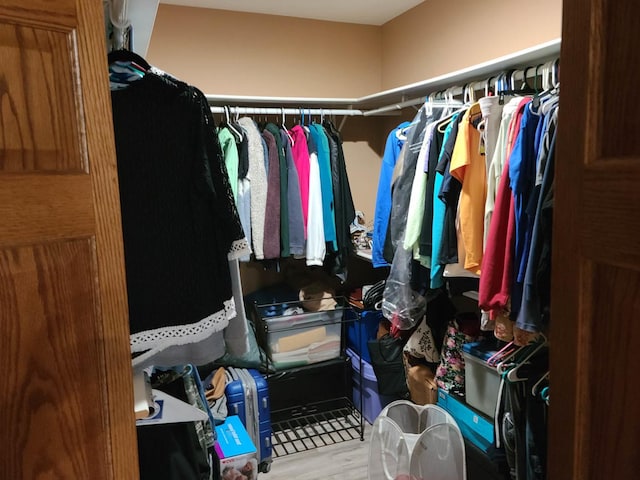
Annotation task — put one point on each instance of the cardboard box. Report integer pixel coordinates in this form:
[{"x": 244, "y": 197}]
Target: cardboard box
[{"x": 236, "y": 451}]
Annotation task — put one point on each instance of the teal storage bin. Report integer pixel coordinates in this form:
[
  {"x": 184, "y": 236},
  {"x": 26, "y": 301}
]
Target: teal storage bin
[{"x": 475, "y": 427}]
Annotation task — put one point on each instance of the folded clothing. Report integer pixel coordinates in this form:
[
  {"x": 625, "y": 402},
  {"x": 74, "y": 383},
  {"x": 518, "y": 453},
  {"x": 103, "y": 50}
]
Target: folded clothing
[
  {"x": 300, "y": 340},
  {"x": 316, "y": 352}
]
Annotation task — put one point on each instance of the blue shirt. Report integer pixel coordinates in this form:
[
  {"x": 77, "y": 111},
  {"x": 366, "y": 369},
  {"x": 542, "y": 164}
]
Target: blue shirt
[
  {"x": 383, "y": 197},
  {"x": 522, "y": 174},
  {"x": 326, "y": 184}
]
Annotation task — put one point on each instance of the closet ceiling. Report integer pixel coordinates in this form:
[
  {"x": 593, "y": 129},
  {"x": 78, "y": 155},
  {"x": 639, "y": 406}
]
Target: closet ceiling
[{"x": 370, "y": 12}]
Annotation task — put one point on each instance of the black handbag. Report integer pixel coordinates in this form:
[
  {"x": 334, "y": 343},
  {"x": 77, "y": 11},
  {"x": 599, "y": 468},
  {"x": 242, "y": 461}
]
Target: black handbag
[{"x": 386, "y": 360}]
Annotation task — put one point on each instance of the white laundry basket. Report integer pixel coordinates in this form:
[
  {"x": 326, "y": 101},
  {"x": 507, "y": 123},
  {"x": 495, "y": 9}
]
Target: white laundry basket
[{"x": 414, "y": 442}]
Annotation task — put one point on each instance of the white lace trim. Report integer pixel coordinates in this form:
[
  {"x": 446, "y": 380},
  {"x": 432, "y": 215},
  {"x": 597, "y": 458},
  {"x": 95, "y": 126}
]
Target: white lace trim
[
  {"x": 156, "y": 340},
  {"x": 238, "y": 249}
]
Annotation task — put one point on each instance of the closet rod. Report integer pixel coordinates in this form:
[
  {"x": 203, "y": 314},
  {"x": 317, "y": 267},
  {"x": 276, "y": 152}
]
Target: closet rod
[
  {"x": 288, "y": 111},
  {"x": 517, "y": 76},
  {"x": 258, "y": 100}
]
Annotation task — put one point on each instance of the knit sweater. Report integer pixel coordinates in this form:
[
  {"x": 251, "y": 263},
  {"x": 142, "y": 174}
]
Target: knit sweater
[
  {"x": 272, "y": 213},
  {"x": 258, "y": 177},
  {"x": 284, "y": 189},
  {"x": 179, "y": 220}
]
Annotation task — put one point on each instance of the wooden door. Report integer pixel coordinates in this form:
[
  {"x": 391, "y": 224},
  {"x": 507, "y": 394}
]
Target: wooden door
[
  {"x": 595, "y": 353},
  {"x": 66, "y": 403}
]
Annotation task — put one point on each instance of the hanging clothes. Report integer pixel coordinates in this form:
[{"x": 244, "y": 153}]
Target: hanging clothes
[
  {"x": 300, "y": 151},
  {"x": 403, "y": 184},
  {"x": 294, "y": 202},
  {"x": 495, "y": 284},
  {"x": 179, "y": 220},
  {"x": 326, "y": 185},
  {"x": 284, "y": 189},
  {"x": 316, "y": 246},
  {"x": 231, "y": 158},
  {"x": 522, "y": 172},
  {"x": 439, "y": 205},
  {"x": 468, "y": 167},
  {"x": 533, "y": 315},
  {"x": 257, "y": 176},
  {"x": 272, "y": 214},
  {"x": 344, "y": 207},
  {"x": 450, "y": 195},
  {"x": 415, "y": 211},
  {"x": 394, "y": 143}
]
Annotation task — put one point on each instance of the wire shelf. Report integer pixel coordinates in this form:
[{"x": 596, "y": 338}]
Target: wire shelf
[{"x": 299, "y": 433}]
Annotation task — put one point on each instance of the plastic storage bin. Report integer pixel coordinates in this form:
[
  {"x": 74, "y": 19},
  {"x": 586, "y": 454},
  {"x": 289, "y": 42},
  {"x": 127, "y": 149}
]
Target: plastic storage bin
[
  {"x": 303, "y": 339},
  {"x": 368, "y": 326},
  {"x": 372, "y": 401},
  {"x": 474, "y": 426},
  {"x": 482, "y": 382}
]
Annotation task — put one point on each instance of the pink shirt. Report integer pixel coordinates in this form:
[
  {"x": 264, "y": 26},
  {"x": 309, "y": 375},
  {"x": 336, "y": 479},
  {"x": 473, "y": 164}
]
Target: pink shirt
[{"x": 301, "y": 159}]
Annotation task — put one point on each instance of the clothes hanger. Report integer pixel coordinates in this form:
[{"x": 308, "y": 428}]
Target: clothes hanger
[
  {"x": 544, "y": 394},
  {"x": 130, "y": 57},
  {"x": 283, "y": 127},
  {"x": 238, "y": 135},
  {"x": 534, "y": 389},
  {"x": 507, "y": 349},
  {"x": 524, "y": 90},
  {"x": 487, "y": 87},
  {"x": 512, "y": 374},
  {"x": 468, "y": 94},
  {"x": 125, "y": 67},
  {"x": 444, "y": 122}
]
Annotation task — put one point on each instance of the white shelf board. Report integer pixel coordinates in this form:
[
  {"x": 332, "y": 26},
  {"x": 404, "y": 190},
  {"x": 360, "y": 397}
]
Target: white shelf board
[
  {"x": 527, "y": 57},
  {"x": 530, "y": 56}
]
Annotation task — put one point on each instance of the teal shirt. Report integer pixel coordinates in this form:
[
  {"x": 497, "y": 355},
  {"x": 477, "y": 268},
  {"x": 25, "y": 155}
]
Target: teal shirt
[
  {"x": 439, "y": 207},
  {"x": 326, "y": 185}
]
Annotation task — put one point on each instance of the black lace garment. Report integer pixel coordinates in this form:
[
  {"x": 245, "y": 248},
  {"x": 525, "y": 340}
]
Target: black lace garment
[{"x": 179, "y": 221}]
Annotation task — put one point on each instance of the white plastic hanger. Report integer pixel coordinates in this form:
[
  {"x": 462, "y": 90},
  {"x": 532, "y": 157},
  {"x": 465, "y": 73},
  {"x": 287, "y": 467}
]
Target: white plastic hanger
[
  {"x": 534, "y": 389},
  {"x": 512, "y": 374}
]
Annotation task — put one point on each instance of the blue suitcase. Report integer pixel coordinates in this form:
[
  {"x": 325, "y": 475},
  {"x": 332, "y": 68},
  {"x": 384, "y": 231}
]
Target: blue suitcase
[{"x": 248, "y": 398}]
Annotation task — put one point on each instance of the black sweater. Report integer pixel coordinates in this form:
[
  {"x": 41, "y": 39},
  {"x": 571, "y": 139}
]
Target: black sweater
[{"x": 179, "y": 220}]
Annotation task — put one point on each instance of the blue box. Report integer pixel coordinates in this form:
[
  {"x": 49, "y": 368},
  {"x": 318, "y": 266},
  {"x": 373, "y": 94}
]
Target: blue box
[
  {"x": 367, "y": 325},
  {"x": 372, "y": 401},
  {"x": 235, "y": 450},
  {"x": 474, "y": 426}
]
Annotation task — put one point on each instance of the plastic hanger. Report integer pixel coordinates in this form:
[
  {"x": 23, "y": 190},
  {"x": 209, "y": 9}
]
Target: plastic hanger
[
  {"x": 512, "y": 374},
  {"x": 238, "y": 135},
  {"x": 534, "y": 389},
  {"x": 487, "y": 87},
  {"x": 507, "y": 349},
  {"x": 544, "y": 394},
  {"x": 129, "y": 56},
  {"x": 283, "y": 127}
]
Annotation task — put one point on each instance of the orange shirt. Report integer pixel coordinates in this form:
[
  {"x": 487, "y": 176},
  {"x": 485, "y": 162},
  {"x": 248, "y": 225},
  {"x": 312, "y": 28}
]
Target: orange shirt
[{"x": 468, "y": 167}]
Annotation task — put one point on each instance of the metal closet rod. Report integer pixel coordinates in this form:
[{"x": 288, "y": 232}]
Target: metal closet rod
[
  {"x": 513, "y": 76},
  {"x": 516, "y": 76},
  {"x": 288, "y": 111}
]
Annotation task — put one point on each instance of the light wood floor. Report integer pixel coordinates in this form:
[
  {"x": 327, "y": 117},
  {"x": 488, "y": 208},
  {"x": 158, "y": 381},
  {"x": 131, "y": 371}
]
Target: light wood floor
[{"x": 340, "y": 461}]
